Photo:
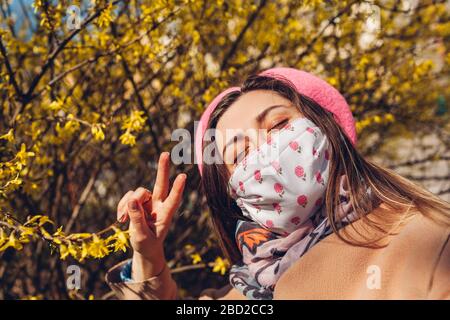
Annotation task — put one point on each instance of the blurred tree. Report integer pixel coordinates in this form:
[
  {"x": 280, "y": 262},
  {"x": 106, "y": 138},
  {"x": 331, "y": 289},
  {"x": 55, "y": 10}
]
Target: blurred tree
[{"x": 91, "y": 93}]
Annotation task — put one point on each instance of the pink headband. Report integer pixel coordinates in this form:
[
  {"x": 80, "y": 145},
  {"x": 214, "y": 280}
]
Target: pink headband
[{"x": 307, "y": 84}]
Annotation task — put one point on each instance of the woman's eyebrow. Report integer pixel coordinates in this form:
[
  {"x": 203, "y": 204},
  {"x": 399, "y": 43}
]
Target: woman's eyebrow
[{"x": 260, "y": 117}]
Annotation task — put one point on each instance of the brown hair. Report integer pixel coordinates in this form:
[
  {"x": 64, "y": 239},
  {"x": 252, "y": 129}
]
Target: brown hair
[{"x": 386, "y": 186}]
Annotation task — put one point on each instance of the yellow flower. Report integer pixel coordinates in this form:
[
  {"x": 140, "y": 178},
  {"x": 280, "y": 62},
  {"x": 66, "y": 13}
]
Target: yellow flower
[
  {"x": 97, "y": 131},
  {"x": 69, "y": 248},
  {"x": 389, "y": 117},
  {"x": 3, "y": 237},
  {"x": 195, "y": 36},
  {"x": 105, "y": 17},
  {"x": 45, "y": 233},
  {"x": 70, "y": 127},
  {"x": 363, "y": 63},
  {"x": 40, "y": 219},
  {"x": 79, "y": 252},
  {"x": 333, "y": 81},
  {"x": 83, "y": 252},
  {"x": 55, "y": 105},
  {"x": 135, "y": 122},
  {"x": 23, "y": 154},
  {"x": 128, "y": 139},
  {"x": 26, "y": 233},
  {"x": 97, "y": 247},
  {"x": 63, "y": 252},
  {"x": 59, "y": 232},
  {"x": 196, "y": 258},
  {"x": 220, "y": 265},
  {"x": 377, "y": 119},
  {"x": 9, "y": 136},
  {"x": 12, "y": 242},
  {"x": 119, "y": 240}
]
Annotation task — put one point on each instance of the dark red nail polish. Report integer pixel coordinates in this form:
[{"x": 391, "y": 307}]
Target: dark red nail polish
[{"x": 122, "y": 218}]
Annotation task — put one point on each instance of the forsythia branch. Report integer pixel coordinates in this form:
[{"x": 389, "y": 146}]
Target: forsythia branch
[
  {"x": 12, "y": 78},
  {"x": 14, "y": 234}
]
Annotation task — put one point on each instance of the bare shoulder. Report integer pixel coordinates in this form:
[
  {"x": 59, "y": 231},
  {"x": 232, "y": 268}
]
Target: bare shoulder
[
  {"x": 421, "y": 228},
  {"x": 430, "y": 241}
]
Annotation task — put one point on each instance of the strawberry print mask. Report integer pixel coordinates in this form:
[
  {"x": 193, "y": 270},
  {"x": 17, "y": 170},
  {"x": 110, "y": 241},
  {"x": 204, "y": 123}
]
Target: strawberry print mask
[{"x": 281, "y": 185}]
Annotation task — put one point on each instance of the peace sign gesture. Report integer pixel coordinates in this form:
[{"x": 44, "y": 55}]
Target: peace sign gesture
[{"x": 150, "y": 213}]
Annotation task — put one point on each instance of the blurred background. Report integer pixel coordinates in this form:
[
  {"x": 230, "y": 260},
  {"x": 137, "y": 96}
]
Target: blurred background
[{"x": 90, "y": 92}]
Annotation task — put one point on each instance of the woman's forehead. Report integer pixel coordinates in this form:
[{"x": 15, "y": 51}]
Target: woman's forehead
[{"x": 242, "y": 113}]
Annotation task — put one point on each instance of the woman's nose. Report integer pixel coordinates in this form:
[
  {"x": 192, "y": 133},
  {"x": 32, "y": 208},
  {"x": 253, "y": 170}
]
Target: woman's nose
[{"x": 255, "y": 138}]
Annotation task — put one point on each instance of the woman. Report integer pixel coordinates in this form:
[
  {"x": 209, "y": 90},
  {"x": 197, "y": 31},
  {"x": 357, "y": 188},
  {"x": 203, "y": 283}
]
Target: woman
[{"x": 298, "y": 211}]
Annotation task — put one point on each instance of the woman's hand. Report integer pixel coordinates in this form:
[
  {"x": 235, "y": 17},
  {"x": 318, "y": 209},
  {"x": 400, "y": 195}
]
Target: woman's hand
[{"x": 150, "y": 215}]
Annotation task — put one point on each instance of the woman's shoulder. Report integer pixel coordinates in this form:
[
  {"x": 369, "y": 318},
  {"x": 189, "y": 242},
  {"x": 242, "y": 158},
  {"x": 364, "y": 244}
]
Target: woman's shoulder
[
  {"x": 429, "y": 247},
  {"x": 417, "y": 228},
  {"x": 403, "y": 234},
  {"x": 391, "y": 226},
  {"x": 413, "y": 261}
]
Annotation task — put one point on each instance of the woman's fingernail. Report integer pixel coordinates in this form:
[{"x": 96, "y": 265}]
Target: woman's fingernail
[
  {"x": 133, "y": 205},
  {"x": 150, "y": 217},
  {"x": 147, "y": 198},
  {"x": 122, "y": 217}
]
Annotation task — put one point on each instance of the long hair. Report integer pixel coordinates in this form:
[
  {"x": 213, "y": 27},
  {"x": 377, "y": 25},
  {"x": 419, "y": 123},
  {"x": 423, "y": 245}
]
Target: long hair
[{"x": 385, "y": 186}]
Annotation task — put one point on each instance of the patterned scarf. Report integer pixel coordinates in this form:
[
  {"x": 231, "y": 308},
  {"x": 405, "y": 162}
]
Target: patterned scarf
[{"x": 266, "y": 255}]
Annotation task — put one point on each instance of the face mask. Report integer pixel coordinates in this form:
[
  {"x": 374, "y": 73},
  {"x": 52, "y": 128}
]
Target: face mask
[{"x": 281, "y": 185}]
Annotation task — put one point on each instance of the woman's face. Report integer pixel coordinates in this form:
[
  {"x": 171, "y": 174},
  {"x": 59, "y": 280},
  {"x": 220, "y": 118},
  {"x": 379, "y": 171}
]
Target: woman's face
[{"x": 247, "y": 123}]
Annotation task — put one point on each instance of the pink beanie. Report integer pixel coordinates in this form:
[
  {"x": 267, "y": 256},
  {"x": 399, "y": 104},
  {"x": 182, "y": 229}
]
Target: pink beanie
[{"x": 308, "y": 85}]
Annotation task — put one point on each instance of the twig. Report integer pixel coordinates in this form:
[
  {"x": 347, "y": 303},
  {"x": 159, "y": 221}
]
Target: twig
[
  {"x": 54, "y": 54},
  {"x": 12, "y": 78},
  {"x": 82, "y": 200},
  {"x": 235, "y": 44},
  {"x": 321, "y": 32},
  {"x": 141, "y": 103},
  {"x": 105, "y": 54}
]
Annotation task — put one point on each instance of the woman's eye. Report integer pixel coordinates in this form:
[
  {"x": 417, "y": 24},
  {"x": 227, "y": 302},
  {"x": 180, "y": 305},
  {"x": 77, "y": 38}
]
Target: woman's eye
[{"x": 280, "y": 124}]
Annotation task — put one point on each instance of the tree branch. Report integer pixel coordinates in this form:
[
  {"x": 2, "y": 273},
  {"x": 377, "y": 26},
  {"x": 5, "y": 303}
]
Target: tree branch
[
  {"x": 235, "y": 44},
  {"x": 82, "y": 200},
  {"x": 321, "y": 32},
  {"x": 12, "y": 78},
  {"x": 54, "y": 54}
]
